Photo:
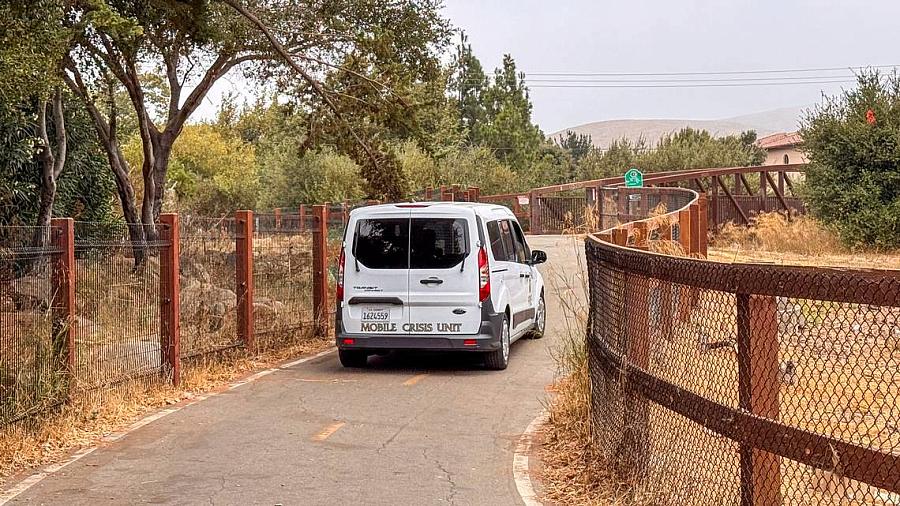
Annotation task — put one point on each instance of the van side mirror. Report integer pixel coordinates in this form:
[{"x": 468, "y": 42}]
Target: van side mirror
[{"x": 538, "y": 257}]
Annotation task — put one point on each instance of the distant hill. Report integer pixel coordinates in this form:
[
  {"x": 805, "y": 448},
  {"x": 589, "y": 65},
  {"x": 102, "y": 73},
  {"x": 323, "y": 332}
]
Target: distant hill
[{"x": 604, "y": 132}]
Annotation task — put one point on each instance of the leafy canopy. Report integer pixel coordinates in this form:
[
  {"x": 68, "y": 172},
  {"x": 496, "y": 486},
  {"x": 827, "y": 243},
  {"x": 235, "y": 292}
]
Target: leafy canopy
[{"x": 853, "y": 178}]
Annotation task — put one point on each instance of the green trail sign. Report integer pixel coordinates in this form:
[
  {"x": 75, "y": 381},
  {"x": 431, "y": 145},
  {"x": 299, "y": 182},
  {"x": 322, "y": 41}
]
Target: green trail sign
[{"x": 634, "y": 178}]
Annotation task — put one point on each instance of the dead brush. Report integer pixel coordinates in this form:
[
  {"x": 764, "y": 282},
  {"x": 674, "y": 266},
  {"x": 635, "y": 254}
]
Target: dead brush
[
  {"x": 573, "y": 470},
  {"x": 589, "y": 222},
  {"x": 774, "y": 232}
]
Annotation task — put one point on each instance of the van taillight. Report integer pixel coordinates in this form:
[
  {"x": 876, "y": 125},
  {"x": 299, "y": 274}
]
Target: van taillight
[
  {"x": 339, "y": 290},
  {"x": 484, "y": 275}
]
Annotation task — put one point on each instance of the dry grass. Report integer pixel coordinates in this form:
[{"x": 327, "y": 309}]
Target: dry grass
[
  {"x": 774, "y": 232},
  {"x": 573, "y": 471},
  {"x": 88, "y": 418},
  {"x": 800, "y": 241}
]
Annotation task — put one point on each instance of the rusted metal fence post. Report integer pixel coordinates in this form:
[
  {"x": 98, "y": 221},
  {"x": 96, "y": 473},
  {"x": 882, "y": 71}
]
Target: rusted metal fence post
[
  {"x": 703, "y": 226},
  {"x": 244, "y": 277},
  {"x": 320, "y": 268},
  {"x": 345, "y": 212},
  {"x": 429, "y": 193},
  {"x": 170, "y": 298},
  {"x": 758, "y": 393},
  {"x": 641, "y": 236},
  {"x": 62, "y": 233},
  {"x": 534, "y": 205},
  {"x": 695, "y": 228},
  {"x": 634, "y": 448},
  {"x": 684, "y": 230},
  {"x": 714, "y": 205},
  {"x": 277, "y": 218}
]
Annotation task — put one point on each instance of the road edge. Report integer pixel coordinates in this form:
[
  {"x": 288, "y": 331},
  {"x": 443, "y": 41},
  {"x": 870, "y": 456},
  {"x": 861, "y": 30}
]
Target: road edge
[
  {"x": 21, "y": 486},
  {"x": 521, "y": 457}
]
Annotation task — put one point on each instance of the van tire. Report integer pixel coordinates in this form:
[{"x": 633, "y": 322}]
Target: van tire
[
  {"x": 353, "y": 358},
  {"x": 540, "y": 320},
  {"x": 497, "y": 360}
]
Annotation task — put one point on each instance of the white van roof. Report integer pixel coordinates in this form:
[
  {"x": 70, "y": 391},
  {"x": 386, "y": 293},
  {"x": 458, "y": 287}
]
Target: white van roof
[{"x": 482, "y": 209}]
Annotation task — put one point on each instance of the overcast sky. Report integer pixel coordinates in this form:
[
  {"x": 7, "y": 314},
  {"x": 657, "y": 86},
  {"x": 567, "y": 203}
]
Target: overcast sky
[
  {"x": 677, "y": 36},
  {"x": 664, "y": 36}
]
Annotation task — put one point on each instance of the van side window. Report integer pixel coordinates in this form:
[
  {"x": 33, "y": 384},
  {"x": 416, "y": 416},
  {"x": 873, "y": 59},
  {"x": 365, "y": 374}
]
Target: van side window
[
  {"x": 507, "y": 239},
  {"x": 493, "y": 228},
  {"x": 522, "y": 253}
]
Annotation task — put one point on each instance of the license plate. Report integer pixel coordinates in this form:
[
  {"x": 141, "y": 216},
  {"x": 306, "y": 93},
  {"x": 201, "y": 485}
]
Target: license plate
[{"x": 376, "y": 315}]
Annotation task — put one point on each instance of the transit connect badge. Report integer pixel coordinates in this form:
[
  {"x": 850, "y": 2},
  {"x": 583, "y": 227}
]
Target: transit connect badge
[{"x": 634, "y": 178}]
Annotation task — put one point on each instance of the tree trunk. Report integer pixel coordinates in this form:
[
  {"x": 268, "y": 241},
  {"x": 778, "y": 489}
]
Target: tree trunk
[
  {"x": 160, "y": 172},
  {"x": 52, "y": 163},
  {"x": 129, "y": 209}
]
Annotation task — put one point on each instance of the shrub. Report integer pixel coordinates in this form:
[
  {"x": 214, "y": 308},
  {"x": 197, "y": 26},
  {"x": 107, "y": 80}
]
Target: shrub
[{"x": 853, "y": 145}]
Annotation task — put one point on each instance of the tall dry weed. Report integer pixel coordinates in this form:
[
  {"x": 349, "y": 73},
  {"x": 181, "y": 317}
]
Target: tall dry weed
[
  {"x": 773, "y": 232},
  {"x": 573, "y": 471}
]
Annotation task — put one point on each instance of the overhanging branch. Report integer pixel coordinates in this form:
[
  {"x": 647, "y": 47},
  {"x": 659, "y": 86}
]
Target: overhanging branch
[{"x": 317, "y": 87}]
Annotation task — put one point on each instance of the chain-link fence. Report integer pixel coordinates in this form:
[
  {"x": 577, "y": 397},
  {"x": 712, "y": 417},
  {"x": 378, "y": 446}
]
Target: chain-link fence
[{"x": 755, "y": 384}]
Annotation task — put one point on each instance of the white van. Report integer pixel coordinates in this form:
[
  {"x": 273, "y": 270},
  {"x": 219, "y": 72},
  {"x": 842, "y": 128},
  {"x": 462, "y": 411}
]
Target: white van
[{"x": 436, "y": 276}]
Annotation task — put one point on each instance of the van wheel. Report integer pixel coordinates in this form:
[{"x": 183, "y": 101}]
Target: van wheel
[
  {"x": 499, "y": 359},
  {"x": 540, "y": 319},
  {"x": 353, "y": 358}
]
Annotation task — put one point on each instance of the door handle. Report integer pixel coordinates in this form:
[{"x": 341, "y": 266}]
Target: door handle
[{"x": 431, "y": 281}]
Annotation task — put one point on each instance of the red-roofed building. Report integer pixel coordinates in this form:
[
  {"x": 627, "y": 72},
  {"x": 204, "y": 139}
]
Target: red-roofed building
[{"x": 782, "y": 148}]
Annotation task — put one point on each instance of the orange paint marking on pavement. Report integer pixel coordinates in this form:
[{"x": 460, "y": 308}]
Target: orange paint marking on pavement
[
  {"x": 328, "y": 431},
  {"x": 415, "y": 379}
]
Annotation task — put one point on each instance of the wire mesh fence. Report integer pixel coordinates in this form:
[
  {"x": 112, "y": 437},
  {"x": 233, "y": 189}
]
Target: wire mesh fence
[
  {"x": 282, "y": 280},
  {"x": 90, "y": 309},
  {"x": 725, "y": 383},
  {"x": 31, "y": 358},
  {"x": 208, "y": 300},
  {"x": 117, "y": 312}
]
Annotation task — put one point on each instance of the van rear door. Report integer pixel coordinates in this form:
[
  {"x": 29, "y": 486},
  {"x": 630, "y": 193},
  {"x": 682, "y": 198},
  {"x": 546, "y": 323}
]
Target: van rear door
[
  {"x": 376, "y": 274},
  {"x": 443, "y": 276}
]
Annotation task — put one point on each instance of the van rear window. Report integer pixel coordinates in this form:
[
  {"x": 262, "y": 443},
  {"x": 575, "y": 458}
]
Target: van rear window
[
  {"x": 438, "y": 243},
  {"x": 382, "y": 243}
]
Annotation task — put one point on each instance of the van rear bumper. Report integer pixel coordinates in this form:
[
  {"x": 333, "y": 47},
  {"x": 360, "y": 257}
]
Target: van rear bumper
[
  {"x": 487, "y": 339},
  {"x": 482, "y": 342}
]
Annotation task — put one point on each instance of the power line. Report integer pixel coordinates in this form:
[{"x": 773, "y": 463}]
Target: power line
[
  {"x": 720, "y": 72},
  {"x": 701, "y": 85},
  {"x": 696, "y": 80}
]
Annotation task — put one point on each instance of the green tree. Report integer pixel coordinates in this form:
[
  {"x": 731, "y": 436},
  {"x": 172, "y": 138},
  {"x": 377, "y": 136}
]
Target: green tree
[
  {"x": 85, "y": 189},
  {"x": 314, "y": 177},
  {"x": 210, "y": 172},
  {"x": 468, "y": 86},
  {"x": 852, "y": 142},
  {"x": 198, "y": 42},
  {"x": 577, "y": 145},
  {"x": 696, "y": 149},
  {"x": 612, "y": 161},
  {"x": 508, "y": 129}
]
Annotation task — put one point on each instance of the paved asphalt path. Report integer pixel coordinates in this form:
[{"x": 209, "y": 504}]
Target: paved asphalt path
[{"x": 410, "y": 429}]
